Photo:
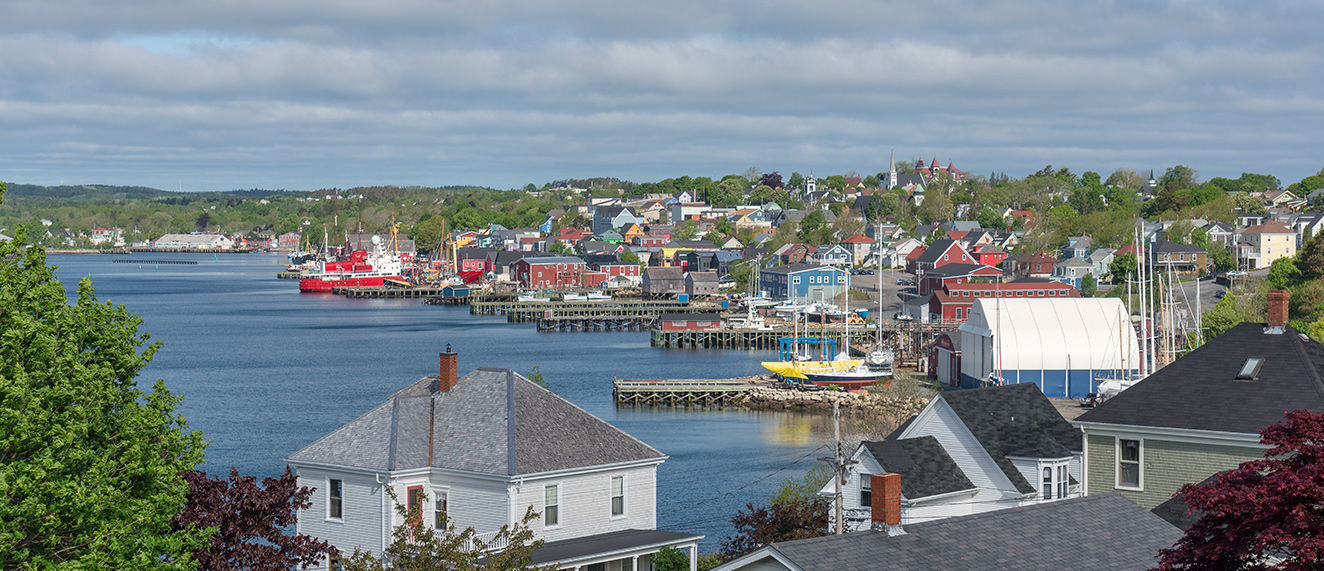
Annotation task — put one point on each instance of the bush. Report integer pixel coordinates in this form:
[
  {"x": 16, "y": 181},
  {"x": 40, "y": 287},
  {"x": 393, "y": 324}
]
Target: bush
[{"x": 671, "y": 559}]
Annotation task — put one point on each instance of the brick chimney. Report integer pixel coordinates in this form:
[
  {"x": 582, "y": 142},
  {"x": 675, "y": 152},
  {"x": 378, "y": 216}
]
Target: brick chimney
[
  {"x": 1277, "y": 313},
  {"x": 449, "y": 370},
  {"x": 885, "y": 502}
]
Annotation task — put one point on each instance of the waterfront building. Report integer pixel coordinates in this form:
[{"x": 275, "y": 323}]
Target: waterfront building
[
  {"x": 803, "y": 282},
  {"x": 549, "y": 271},
  {"x": 480, "y": 451},
  {"x": 193, "y": 242},
  {"x": 1065, "y": 345}
]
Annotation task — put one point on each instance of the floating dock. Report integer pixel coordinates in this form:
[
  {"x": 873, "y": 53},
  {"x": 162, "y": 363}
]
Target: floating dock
[
  {"x": 524, "y": 312},
  {"x": 621, "y": 322},
  {"x": 704, "y": 392}
]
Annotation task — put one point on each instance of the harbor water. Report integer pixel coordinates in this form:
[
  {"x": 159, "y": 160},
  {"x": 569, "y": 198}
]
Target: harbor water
[{"x": 264, "y": 371}]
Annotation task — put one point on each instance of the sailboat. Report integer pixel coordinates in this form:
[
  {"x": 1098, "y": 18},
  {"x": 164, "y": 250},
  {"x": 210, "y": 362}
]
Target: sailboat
[{"x": 840, "y": 370}]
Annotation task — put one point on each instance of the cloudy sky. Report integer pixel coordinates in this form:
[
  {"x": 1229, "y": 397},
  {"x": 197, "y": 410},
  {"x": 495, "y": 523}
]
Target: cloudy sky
[{"x": 306, "y": 94}]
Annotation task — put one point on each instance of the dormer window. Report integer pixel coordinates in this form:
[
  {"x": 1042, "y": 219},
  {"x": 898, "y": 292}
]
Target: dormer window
[{"x": 1250, "y": 370}]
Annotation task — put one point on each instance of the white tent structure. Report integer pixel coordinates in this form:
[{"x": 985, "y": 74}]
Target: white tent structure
[{"x": 1067, "y": 346}]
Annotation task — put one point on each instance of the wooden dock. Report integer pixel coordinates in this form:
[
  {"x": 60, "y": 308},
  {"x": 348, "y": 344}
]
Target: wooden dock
[
  {"x": 704, "y": 392},
  {"x": 471, "y": 299},
  {"x": 523, "y": 312},
  {"x": 910, "y": 340},
  {"x": 621, "y": 322},
  {"x": 387, "y": 292}
]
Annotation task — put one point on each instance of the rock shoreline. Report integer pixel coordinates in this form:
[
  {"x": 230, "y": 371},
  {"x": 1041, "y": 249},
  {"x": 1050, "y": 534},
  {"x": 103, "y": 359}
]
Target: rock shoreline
[{"x": 766, "y": 397}]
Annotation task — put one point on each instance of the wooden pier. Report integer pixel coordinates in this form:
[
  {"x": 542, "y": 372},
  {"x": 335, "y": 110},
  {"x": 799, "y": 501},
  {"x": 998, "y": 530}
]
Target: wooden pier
[
  {"x": 523, "y": 312},
  {"x": 703, "y": 392},
  {"x": 910, "y": 340},
  {"x": 289, "y": 275},
  {"x": 387, "y": 292},
  {"x": 471, "y": 299},
  {"x": 596, "y": 322}
]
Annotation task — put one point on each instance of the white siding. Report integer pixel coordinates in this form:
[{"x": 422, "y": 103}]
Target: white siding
[
  {"x": 362, "y": 511},
  {"x": 585, "y": 502},
  {"x": 480, "y": 503},
  {"x": 942, "y": 423}
]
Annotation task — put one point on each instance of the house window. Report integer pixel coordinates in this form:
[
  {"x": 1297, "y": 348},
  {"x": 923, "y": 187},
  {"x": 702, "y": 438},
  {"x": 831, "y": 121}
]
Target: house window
[
  {"x": 944, "y": 257},
  {"x": 1128, "y": 463},
  {"x": 866, "y": 491},
  {"x": 414, "y": 501},
  {"x": 439, "y": 509},
  {"x": 617, "y": 495},
  {"x": 1048, "y": 484},
  {"x": 335, "y": 495},
  {"x": 1062, "y": 481},
  {"x": 841, "y": 279},
  {"x": 551, "y": 514},
  {"x": 795, "y": 280}
]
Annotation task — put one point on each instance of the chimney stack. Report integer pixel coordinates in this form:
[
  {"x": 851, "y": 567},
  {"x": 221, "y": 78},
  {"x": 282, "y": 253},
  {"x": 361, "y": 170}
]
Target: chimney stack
[
  {"x": 449, "y": 370},
  {"x": 885, "y": 502},
  {"x": 1277, "y": 314}
]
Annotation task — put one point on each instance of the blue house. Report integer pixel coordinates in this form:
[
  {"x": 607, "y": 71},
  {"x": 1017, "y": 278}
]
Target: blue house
[
  {"x": 803, "y": 282},
  {"x": 1077, "y": 247}
]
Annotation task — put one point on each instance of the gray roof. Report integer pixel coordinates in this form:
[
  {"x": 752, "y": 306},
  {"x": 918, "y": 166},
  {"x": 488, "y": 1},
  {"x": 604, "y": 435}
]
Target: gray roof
[
  {"x": 568, "y": 550},
  {"x": 1103, "y": 532},
  {"x": 1199, "y": 391},
  {"x": 494, "y": 422},
  {"x": 1074, "y": 262},
  {"x": 925, "y": 468},
  {"x": 1015, "y": 421},
  {"x": 1172, "y": 247}
]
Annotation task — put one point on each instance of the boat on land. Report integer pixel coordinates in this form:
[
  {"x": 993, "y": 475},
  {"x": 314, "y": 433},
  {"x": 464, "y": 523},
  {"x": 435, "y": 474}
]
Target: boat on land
[{"x": 362, "y": 269}]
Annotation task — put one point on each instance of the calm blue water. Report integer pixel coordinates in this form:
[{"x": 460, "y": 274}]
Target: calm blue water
[{"x": 264, "y": 370}]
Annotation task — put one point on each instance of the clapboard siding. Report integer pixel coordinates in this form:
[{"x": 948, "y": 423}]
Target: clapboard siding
[
  {"x": 585, "y": 502},
  {"x": 362, "y": 511}
]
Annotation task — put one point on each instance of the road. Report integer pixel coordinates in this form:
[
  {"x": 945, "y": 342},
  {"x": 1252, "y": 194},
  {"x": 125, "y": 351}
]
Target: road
[{"x": 869, "y": 285}]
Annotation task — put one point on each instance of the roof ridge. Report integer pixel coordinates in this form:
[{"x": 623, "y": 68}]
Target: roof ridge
[{"x": 1299, "y": 344}]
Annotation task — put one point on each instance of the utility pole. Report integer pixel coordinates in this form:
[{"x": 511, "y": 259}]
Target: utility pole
[{"x": 839, "y": 465}]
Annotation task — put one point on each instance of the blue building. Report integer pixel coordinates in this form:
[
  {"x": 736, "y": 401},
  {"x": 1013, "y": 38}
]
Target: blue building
[{"x": 803, "y": 282}]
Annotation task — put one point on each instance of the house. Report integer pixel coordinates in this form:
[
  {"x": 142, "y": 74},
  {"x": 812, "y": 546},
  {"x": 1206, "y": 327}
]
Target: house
[
  {"x": 1073, "y": 271},
  {"x": 792, "y": 253},
  {"x": 1202, "y": 414},
  {"x": 912, "y": 259},
  {"x": 110, "y": 236},
  {"x": 969, "y": 452},
  {"x": 802, "y": 282},
  {"x": 1096, "y": 533},
  {"x": 719, "y": 261},
  {"x": 1267, "y": 242},
  {"x": 663, "y": 281},
  {"x": 1179, "y": 257},
  {"x": 549, "y": 272},
  {"x": 860, "y": 246},
  {"x": 945, "y": 359},
  {"x": 1063, "y": 345},
  {"x": 612, "y": 217},
  {"x": 1220, "y": 233},
  {"x": 894, "y": 255},
  {"x": 942, "y": 252},
  {"x": 951, "y": 274},
  {"x": 1034, "y": 266},
  {"x": 478, "y": 451},
  {"x": 988, "y": 255},
  {"x": 832, "y": 255},
  {"x": 1077, "y": 247},
  {"x": 700, "y": 283},
  {"x": 683, "y": 211},
  {"x": 1102, "y": 260},
  {"x": 1306, "y": 225}
]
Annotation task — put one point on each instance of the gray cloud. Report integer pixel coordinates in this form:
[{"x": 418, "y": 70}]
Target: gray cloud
[{"x": 303, "y": 94}]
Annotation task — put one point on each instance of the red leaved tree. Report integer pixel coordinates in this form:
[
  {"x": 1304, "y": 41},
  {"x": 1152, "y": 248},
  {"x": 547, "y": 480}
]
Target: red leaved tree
[
  {"x": 251, "y": 521},
  {"x": 799, "y": 518},
  {"x": 1266, "y": 514}
]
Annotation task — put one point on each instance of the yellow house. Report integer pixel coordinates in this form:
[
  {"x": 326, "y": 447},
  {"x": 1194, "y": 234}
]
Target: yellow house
[
  {"x": 631, "y": 231},
  {"x": 1268, "y": 242}
]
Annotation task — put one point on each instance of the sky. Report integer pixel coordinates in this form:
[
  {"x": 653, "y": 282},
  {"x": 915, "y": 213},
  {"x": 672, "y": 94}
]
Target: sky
[{"x": 305, "y": 94}]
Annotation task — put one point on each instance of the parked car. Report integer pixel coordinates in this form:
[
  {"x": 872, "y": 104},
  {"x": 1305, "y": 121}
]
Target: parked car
[
  {"x": 1220, "y": 294},
  {"x": 1092, "y": 399}
]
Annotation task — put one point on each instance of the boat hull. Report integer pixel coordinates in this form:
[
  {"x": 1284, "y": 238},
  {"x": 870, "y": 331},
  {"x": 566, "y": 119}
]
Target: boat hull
[{"x": 324, "y": 284}]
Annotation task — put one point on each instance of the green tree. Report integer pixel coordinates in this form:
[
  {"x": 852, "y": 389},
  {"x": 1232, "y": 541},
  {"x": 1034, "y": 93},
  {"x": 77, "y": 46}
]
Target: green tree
[
  {"x": 417, "y": 546},
  {"x": 559, "y": 247},
  {"x": 990, "y": 218},
  {"x": 1088, "y": 285},
  {"x": 1180, "y": 232},
  {"x": 430, "y": 233},
  {"x": 1283, "y": 274},
  {"x": 1123, "y": 267},
  {"x": 90, "y": 465},
  {"x": 671, "y": 559},
  {"x": 687, "y": 230},
  {"x": 811, "y": 223},
  {"x": 797, "y": 180},
  {"x": 1224, "y": 316},
  {"x": 936, "y": 206}
]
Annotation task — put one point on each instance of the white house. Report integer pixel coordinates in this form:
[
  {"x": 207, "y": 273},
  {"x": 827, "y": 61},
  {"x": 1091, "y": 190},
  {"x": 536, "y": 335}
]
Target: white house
[
  {"x": 969, "y": 452},
  {"x": 479, "y": 451},
  {"x": 193, "y": 242}
]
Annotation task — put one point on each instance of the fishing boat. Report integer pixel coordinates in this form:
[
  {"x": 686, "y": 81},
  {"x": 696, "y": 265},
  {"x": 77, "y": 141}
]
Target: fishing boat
[
  {"x": 362, "y": 269},
  {"x": 598, "y": 296},
  {"x": 532, "y": 298}
]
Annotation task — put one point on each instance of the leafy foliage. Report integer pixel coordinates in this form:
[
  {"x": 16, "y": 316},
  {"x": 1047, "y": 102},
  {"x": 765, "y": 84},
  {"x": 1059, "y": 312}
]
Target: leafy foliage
[
  {"x": 758, "y": 527},
  {"x": 417, "y": 546},
  {"x": 671, "y": 559},
  {"x": 89, "y": 464},
  {"x": 1265, "y": 514},
  {"x": 806, "y": 488},
  {"x": 250, "y": 522},
  {"x": 1224, "y": 316}
]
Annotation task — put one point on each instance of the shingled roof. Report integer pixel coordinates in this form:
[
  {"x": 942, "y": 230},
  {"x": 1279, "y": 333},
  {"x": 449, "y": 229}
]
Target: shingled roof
[
  {"x": 925, "y": 467},
  {"x": 494, "y": 422},
  {"x": 1103, "y": 532},
  {"x": 1200, "y": 391},
  {"x": 1015, "y": 420}
]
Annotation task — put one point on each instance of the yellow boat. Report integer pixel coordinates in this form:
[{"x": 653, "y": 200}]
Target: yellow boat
[{"x": 801, "y": 369}]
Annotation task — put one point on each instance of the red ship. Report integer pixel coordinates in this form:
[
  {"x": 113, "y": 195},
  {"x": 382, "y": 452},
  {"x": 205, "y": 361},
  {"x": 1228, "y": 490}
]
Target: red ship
[{"x": 360, "y": 270}]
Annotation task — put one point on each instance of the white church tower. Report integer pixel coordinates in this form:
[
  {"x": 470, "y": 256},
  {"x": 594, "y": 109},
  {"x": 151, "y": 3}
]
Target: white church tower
[{"x": 891, "y": 171}]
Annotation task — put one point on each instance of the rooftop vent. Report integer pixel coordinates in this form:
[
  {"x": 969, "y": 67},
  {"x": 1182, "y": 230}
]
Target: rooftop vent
[{"x": 1250, "y": 371}]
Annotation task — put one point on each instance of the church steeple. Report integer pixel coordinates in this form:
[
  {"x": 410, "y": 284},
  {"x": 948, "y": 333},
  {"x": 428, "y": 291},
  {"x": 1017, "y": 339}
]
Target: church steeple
[{"x": 891, "y": 171}]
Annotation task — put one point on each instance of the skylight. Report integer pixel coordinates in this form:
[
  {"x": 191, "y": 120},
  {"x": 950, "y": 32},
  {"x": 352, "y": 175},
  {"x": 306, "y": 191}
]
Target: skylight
[{"x": 1250, "y": 370}]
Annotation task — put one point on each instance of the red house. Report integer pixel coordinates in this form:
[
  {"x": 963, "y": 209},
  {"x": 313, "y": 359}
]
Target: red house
[
  {"x": 954, "y": 301},
  {"x": 940, "y": 253},
  {"x": 945, "y": 359},
  {"x": 989, "y": 255},
  {"x": 938, "y": 279},
  {"x": 619, "y": 269},
  {"x": 912, "y": 259},
  {"x": 549, "y": 272}
]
